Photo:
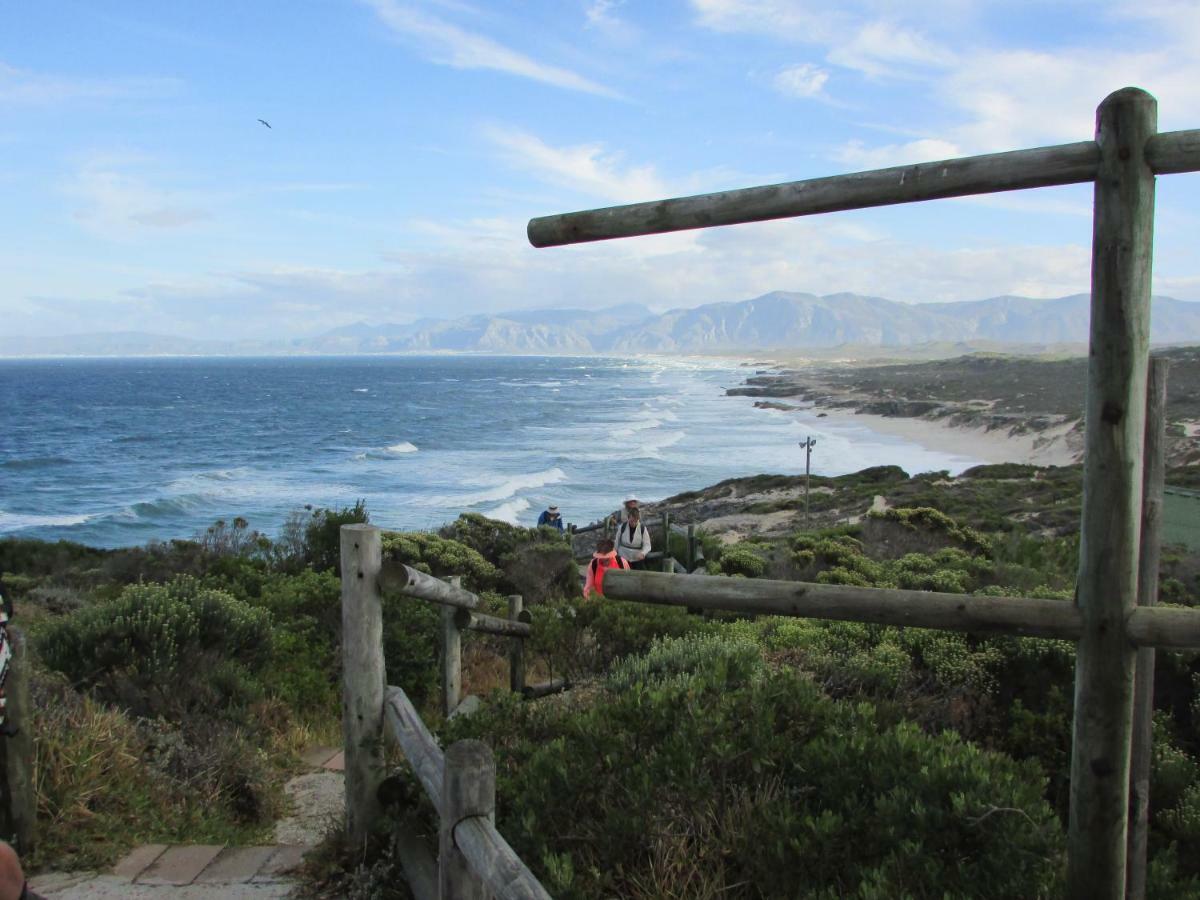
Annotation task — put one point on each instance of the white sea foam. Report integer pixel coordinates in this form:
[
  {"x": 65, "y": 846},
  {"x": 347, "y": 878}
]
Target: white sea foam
[
  {"x": 20, "y": 521},
  {"x": 508, "y": 512},
  {"x": 402, "y": 447},
  {"x": 509, "y": 488},
  {"x": 361, "y": 390}
]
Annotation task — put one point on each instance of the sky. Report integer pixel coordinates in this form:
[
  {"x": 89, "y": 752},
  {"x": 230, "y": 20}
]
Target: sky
[{"x": 410, "y": 142}]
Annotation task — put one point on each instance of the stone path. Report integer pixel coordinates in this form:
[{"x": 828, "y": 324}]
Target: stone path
[{"x": 212, "y": 871}]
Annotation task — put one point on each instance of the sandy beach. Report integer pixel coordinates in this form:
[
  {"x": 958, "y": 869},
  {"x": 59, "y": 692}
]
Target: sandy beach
[{"x": 1046, "y": 448}]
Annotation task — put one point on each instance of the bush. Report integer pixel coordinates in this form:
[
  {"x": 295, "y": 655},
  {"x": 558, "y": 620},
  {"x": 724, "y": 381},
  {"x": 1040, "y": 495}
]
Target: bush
[
  {"x": 706, "y": 784},
  {"x": 323, "y": 535},
  {"x": 145, "y": 649},
  {"x": 441, "y": 557}
]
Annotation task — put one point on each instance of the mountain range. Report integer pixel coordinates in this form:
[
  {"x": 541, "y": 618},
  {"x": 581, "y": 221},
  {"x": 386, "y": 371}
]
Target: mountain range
[{"x": 774, "y": 321}]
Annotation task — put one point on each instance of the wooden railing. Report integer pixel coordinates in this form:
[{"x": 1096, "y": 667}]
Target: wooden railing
[
  {"x": 1121, "y": 162},
  {"x": 693, "y": 555},
  {"x": 473, "y": 860}
]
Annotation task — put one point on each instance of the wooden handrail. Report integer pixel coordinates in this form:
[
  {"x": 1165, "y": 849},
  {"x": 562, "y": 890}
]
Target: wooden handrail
[
  {"x": 396, "y": 576},
  {"x": 496, "y": 862}
]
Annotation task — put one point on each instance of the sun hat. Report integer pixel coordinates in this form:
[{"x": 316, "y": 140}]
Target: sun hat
[
  {"x": 632, "y": 499},
  {"x": 552, "y": 509}
]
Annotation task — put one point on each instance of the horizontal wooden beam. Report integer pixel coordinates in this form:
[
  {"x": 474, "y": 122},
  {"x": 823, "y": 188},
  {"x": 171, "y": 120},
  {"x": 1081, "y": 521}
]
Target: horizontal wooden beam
[
  {"x": 492, "y": 859},
  {"x": 1159, "y": 626},
  {"x": 1024, "y": 616},
  {"x": 1167, "y": 153},
  {"x": 1015, "y": 170},
  {"x": 420, "y": 868},
  {"x": 466, "y": 620},
  {"x": 545, "y": 688},
  {"x": 420, "y": 747},
  {"x": 396, "y": 576},
  {"x": 1172, "y": 152}
]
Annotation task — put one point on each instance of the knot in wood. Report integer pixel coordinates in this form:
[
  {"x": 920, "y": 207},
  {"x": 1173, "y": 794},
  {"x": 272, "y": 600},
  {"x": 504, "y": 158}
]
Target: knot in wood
[{"x": 1111, "y": 413}]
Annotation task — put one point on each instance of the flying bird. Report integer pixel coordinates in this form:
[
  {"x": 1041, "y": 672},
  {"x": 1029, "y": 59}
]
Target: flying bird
[{"x": 265, "y": 122}]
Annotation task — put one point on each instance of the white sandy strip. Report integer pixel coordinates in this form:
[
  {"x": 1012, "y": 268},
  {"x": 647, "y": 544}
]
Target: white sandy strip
[{"x": 1044, "y": 448}]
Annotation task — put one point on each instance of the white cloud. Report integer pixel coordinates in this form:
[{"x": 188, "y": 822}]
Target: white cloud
[
  {"x": 23, "y": 86},
  {"x": 804, "y": 80},
  {"x": 447, "y": 44},
  {"x": 116, "y": 205},
  {"x": 857, "y": 155},
  {"x": 880, "y": 48},
  {"x": 586, "y": 168}
]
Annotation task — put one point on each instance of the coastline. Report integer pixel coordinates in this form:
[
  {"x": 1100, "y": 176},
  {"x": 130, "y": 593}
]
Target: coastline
[{"x": 992, "y": 445}]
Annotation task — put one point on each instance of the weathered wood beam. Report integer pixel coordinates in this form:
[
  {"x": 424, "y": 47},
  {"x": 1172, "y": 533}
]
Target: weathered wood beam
[
  {"x": 1154, "y": 471},
  {"x": 1011, "y": 171},
  {"x": 1173, "y": 152},
  {"x": 466, "y": 620},
  {"x": 363, "y": 679},
  {"x": 1163, "y": 627},
  {"x": 419, "y": 746},
  {"x": 1025, "y": 616},
  {"x": 420, "y": 868},
  {"x": 546, "y": 688},
  {"x": 396, "y": 576},
  {"x": 496, "y": 862},
  {"x": 516, "y": 652},
  {"x": 469, "y": 792},
  {"x": 1106, "y": 589}
]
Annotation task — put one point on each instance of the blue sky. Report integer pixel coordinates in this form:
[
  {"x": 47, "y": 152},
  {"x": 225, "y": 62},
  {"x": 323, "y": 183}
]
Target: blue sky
[{"x": 411, "y": 141}]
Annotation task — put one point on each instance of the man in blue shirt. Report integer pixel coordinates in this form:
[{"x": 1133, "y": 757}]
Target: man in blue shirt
[{"x": 551, "y": 517}]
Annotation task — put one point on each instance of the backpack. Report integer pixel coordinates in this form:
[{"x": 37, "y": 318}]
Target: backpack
[{"x": 600, "y": 566}]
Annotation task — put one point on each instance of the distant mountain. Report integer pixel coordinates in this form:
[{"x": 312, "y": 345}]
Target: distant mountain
[{"x": 775, "y": 321}]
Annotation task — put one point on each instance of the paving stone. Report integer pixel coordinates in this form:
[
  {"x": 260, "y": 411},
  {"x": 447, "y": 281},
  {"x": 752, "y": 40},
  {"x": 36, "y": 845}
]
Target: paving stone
[
  {"x": 317, "y": 757},
  {"x": 337, "y": 763},
  {"x": 282, "y": 861},
  {"x": 54, "y": 882},
  {"x": 235, "y": 865},
  {"x": 135, "y": 863},
  {"x": 180, "y": 865}
]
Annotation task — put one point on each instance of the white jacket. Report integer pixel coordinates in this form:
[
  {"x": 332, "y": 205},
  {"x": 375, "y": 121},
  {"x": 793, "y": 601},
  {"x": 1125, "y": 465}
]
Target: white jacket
[{"x": 635, "y": 546}]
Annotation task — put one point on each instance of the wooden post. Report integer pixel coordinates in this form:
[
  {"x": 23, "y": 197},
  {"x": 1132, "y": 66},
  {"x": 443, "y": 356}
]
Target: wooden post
[
  {"x": 363, "y": 679},
  {"x": 516, "y": 651},
  {"x": 18, "y": 805},
  {"x": 1106, "y": 592},
  {"x": 691, "y": 547},
  {"x": 451, "y": 657},
  {"x": 1143, "y": 690},
  {"x": 666, "y": 548},
  {"x": 469, "y": 789}
]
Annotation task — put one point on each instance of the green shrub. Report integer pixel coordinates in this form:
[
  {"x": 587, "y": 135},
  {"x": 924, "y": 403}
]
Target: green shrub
[
  {"x": 718, "y": 784},
  {"x": 323, "y": 534},
  {"x": 741, "y": 559},
  {"x": 441, "y": 557},
  {"x": 710, "y": 660},
  {"x": 146, "y": 649}
]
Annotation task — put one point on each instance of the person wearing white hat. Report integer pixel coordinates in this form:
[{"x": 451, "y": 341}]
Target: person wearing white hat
[{"x": 551, "y": 517}]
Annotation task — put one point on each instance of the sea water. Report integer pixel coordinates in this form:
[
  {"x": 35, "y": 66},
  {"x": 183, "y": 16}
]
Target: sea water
[{"x": 119, "y": 452}]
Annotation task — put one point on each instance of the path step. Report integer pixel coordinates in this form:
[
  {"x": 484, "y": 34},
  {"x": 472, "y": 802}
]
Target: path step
[
  {"x": 203, "y": 870},
  {"x": 329, "y": 758}
]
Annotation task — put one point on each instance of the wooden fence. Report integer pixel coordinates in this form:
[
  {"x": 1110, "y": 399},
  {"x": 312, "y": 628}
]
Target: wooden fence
[
  {"x": 474, "y": 861},
  {"x": 693, "y": 552},
  {"x": 1122, "y": 160}
]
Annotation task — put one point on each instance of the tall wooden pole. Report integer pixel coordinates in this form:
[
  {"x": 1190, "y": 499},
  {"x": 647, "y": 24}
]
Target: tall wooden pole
[
  {"x": 469, "y": 789},
  {"x": 363, "y": 679},
  {"x": 18, "y": 806},
  {"x": 451, "y": 657},
  {"x": 516, "y": 650},
  {"x": 1143, "y": 686},
  {"x": 807, "y": 444},
  {"x": 1122, "y": 245}
]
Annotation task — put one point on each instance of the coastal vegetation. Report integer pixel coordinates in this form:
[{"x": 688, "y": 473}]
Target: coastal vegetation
[{"x": 697, "y": 756}]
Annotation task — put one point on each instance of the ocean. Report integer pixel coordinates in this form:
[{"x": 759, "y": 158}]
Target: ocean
[{"x": 119, "y": 452}]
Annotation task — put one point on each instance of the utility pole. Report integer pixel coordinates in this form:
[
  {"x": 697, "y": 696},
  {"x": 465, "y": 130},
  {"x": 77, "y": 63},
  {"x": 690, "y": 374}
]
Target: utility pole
[{"x": 807, "y": 444}]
